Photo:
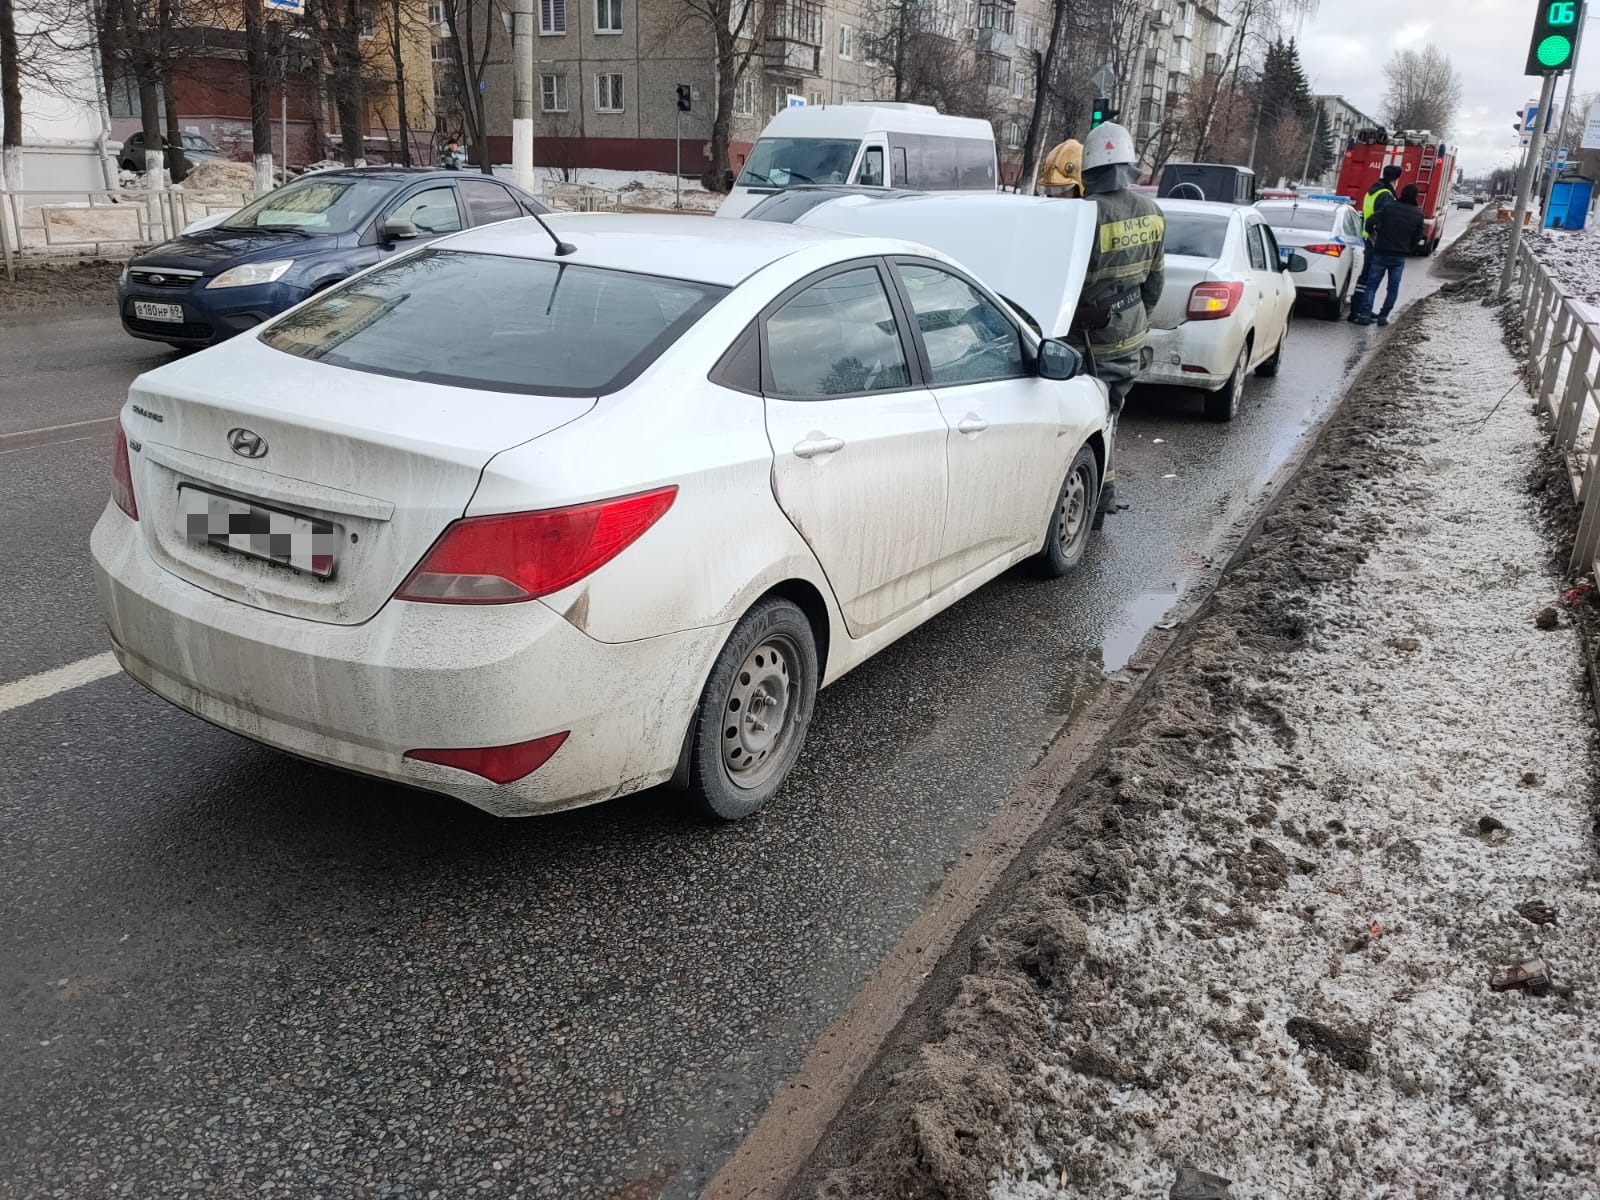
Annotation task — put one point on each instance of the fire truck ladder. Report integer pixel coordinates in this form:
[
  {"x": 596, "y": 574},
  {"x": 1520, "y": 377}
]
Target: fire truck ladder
[{"x": 1425, "y": 169}]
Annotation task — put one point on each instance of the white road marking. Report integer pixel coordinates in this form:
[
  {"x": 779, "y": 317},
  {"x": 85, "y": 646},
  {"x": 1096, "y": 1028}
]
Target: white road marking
[{"x": 52, "y": 683}]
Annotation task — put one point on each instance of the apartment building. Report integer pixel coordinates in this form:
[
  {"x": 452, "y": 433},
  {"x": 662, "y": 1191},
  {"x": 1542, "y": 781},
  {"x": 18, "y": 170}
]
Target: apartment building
[
  {"x": 1343, "y": 119},
  {"x": 1182, "y": 43}
]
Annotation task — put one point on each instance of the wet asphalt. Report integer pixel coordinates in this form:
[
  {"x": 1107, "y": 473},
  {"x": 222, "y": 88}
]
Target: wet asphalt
[{"x": 225, "y": 972}]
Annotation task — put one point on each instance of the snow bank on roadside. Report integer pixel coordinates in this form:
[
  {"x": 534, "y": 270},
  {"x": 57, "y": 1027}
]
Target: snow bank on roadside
[{"x": 1295, "y": 992}]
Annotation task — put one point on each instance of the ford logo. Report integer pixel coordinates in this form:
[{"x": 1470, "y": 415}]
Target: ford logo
[
  {"x": 155, "y": 278},
  {"x": 247, "y": 443}
]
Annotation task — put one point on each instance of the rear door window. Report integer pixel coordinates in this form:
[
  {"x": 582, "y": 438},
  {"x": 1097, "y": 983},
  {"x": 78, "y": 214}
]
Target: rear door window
[
  {"x": 1257, "y": 248},
  {"x": 496, "y": 322},
  {"x": 838, "y": 337},
  {"x": 488, "y": 202}
]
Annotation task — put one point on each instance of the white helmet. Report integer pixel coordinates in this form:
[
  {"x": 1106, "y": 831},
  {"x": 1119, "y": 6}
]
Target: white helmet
[{"x": 1107, "y": 144}]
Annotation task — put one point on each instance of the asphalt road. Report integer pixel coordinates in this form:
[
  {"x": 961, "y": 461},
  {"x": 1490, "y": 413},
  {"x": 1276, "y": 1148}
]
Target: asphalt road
[{"x": 228, "y": 973}]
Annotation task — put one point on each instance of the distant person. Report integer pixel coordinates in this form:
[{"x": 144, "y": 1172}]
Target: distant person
[
  {"x": 1062, "y": 172},
  {"x": 1398, "y": 232},
  {"x": 454, "y": 157},
  {"x": 1380, "y": 194},
  {"x": 1127, "y": 266}
]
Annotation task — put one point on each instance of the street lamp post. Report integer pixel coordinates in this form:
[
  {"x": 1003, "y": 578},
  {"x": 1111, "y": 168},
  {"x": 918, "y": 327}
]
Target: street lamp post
[{"x": 522, "y": 95}]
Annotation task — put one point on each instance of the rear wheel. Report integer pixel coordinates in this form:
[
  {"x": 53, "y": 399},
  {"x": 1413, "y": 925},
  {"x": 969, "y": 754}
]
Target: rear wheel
[
  {"x": 1073, "y": 517},
  {"x": 754, "y": 713},
  {"x": 1222, "y": 404}
]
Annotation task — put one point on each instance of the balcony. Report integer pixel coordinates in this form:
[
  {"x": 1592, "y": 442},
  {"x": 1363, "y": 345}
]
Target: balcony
[
  {"x": 997, "y": 23},
  {"x": 996, "y": 41},
  {"x": 793, "y": 45}
]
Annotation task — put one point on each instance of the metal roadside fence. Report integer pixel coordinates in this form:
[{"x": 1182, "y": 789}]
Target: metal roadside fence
[
  {"x": 1564, "y": 360},
  {"x": 56, "y": 224}
]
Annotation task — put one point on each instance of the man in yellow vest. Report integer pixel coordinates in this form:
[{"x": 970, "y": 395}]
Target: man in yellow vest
[
  {"x": 1382, "y": 192},
  {"x": 1127, "y": 267}
]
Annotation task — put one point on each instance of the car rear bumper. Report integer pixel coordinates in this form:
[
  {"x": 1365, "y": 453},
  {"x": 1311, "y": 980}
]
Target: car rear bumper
[
  {"x": 416, "y": 676},
  {"x": 1320, "y": 278},
  {"x": 1197, "y": 354}
]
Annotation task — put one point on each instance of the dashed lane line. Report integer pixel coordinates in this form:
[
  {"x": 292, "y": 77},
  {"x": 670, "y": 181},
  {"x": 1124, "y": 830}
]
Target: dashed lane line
[{"x": 52, "y": 683}]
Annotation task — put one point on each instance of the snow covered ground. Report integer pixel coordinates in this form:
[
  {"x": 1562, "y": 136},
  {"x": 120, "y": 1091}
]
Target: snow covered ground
[
  {"x": 1574, "y": 259},
  {"x": 619, "y": 189},
  {"x": 1262, "y": 945}
]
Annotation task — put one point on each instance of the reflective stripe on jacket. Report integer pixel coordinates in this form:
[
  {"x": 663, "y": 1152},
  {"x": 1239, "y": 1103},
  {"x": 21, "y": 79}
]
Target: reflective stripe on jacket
[{"x": 1126, "y": 270}]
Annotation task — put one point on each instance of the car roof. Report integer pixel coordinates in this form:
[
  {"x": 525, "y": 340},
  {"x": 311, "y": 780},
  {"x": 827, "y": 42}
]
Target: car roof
[
  {"x": 1216, "y": 208},
  {"x": 706, "y": 249},
  {"x": 859, "y": 118},
  {"x": 398, "y": 174},
  {"x": 1301, "y": 202}
]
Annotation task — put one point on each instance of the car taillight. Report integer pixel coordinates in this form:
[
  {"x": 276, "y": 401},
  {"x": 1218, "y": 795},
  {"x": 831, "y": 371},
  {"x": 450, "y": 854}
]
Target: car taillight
[
  {"x": 497, "y": 764},
  {"x": 1213, "y": 301},
  {"x": 1332, "y": 249},
  {"x": 122, "y": 476},
  {"x": 513, "y": 557}
]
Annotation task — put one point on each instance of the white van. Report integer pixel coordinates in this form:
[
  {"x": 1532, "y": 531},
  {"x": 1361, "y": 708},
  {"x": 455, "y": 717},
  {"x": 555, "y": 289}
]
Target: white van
[{"x": 909, "y": 146}]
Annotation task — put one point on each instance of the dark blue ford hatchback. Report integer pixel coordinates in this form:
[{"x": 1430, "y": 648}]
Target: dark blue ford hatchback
[{"x": 203, "y": 287}]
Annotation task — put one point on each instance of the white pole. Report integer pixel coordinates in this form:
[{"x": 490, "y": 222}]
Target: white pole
[
  {"x": 522, "y": 95},
  {"x": 1525, "y": 183}
]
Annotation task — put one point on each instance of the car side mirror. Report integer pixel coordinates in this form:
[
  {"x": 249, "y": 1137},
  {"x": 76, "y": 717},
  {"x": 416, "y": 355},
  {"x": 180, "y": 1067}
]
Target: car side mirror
[
  {"x": 1057, "y": 360},
  {"x": 1295, "y": 263},
  {"x": 397, "y": 229}
]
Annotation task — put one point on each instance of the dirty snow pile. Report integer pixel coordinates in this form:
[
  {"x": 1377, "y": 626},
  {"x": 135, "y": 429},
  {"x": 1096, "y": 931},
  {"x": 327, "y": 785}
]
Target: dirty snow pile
[
  {"x": 1263, "y": 942},
  {"x": 1574, "y": 259}
]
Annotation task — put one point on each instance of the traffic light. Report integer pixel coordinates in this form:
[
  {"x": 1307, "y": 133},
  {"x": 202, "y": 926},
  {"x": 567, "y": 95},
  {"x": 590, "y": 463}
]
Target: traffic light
[
  {"x": 685, "y": 97},
  {"x": 1555, "y": 28},
  {"x": 1102, "y": 111}
]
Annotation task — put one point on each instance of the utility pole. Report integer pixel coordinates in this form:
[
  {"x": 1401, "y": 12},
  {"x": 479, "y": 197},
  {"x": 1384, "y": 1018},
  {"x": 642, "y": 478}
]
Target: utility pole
[
  {"x": 522, "y": 95},
  {"x": 1525, "y": 180},
  {"x": 1316, "y": 123}
]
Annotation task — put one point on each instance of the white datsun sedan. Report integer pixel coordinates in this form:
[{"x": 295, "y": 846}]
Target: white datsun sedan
[
  {"x": 1226, "y": 304},
  {"x": 535, "y": 525}
]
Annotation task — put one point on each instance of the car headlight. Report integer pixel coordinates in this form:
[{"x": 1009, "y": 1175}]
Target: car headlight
[
  {"x": 248, "y": 273},
  {"x": 123, "y": 278}
]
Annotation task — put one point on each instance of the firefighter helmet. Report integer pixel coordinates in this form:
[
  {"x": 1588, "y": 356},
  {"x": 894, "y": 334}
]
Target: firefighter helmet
[
  {"x": 1063, "y": 166},
  {"x": 1108, "y": 144}
]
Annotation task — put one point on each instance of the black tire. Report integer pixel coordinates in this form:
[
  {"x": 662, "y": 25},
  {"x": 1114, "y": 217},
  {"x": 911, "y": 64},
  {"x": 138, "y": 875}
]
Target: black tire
[
  {"x": 1270, "y": 368},
  {"x": 771, "y": 653},
  {"x": 1073, "y": 517},
  {"x": 1223, "y": 404}
]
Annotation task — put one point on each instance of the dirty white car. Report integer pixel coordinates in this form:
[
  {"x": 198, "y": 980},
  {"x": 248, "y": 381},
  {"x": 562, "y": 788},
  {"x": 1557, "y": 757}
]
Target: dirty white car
[
  {"x": 535, "y": 526},
  {"x": 1328, "y": 233},
  {"x": 1225, "y": 306}
]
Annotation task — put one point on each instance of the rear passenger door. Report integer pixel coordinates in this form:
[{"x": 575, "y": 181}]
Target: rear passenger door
[
  {"x": 1003, "y": 419},
  {"x": 858, "y": 443},
  {"x": 1268, "y": 316},
  {"x": 488, "y": 202}
]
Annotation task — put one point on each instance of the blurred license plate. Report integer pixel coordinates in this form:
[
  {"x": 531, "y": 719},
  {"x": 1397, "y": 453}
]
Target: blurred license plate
[
  {"x": 146, "y": 311},
  {"x": 224, "y": 523}
]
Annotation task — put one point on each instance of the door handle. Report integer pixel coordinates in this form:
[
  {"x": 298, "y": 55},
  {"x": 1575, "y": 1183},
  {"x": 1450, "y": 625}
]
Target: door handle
[
  {"x": 817, "y": 444},
  {"x": 972, "y": 423}
]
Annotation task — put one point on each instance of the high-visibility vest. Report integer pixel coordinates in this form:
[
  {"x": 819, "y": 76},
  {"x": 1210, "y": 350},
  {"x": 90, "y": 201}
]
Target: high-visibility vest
[{"x": 1370, "y": 204}]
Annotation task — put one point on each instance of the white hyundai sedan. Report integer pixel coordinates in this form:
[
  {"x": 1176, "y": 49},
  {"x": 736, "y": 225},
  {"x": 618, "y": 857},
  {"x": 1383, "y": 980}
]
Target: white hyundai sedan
[
  {"x": 536, "y": 525},
  {"x": 1225, "y": 306},
  {"x": 1328, "y": 233}
]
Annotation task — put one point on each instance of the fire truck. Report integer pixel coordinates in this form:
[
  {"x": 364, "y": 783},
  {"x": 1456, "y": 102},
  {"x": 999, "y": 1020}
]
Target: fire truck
[{"x": 1429, "y": 164}]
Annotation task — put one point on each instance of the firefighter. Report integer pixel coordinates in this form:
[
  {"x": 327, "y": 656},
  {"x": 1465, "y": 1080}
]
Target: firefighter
[
  {"x": 1123, "y": 282},
  {"x": 1379, "y": 194},
  {"x": 1062, "y": 173}
]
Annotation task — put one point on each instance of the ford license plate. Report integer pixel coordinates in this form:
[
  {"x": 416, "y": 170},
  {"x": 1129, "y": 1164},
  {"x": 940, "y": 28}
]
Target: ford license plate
[
  {"x": 272, "y": 535},
  {"x": 145, "y": 310}
]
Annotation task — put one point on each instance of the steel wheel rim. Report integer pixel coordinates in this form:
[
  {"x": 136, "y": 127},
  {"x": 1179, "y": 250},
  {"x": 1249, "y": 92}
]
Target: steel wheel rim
[
  {"x": 759, "y": 712},
  {"x": 1242, "y": 366},
  {"x": 1072, "y": 516}
]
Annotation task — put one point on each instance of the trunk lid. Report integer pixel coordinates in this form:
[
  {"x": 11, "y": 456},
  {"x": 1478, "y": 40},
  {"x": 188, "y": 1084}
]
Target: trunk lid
[
  {"x": 1183, "y": 272},
  {"x": 387, "y": 462}
]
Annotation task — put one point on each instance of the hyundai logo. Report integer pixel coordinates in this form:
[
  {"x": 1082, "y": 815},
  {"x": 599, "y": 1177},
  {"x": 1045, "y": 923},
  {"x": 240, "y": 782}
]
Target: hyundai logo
[{"x": 247, "y": 443}]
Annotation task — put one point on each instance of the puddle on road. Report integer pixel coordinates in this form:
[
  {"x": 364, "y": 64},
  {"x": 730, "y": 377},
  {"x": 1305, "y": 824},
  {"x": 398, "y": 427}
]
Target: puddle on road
[{"x": 1141, "y": 615}]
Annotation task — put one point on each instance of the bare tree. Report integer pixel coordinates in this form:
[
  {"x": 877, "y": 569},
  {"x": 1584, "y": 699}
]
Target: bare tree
[
  {"x": 1254, "y": 23},
  {"x": 737, "y": 28},
  {"x": 1045, "y": 65},
  {"x": 470, "y": 46},
  {"x": 919, "y": 59},
  {"x": 10, "y": 98},
  {"x": 1423, "y": 92}
]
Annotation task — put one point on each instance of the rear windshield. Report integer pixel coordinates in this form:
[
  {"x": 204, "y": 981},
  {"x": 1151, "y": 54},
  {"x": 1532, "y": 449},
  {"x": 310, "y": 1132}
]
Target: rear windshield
[
  {"x": 314, "y": 205},
  {"x": 1292, "y": 216},
  {"x": 498, "y": 323},
  {"x": 1197, "y": 234},
  {"x": 781, "y": 162}
]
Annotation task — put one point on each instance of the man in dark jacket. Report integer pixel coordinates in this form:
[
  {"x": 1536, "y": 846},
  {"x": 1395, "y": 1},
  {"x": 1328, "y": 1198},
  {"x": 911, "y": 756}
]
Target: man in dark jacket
[
  {"x": 1397, "y": 232},
  {"x": 1124, "y": 279},
  {"x": 1379, "y": 195}
]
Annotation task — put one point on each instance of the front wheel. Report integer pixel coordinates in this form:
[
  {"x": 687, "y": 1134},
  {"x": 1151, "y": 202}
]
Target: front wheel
[
  {"x": 755, "y": 711},
  {"x": 1223, "y": 404},
  {"x": 1068, "y": 536}
]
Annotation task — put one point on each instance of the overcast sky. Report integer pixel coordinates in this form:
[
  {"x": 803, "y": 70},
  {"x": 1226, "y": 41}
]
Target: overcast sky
[{"x": 1345, "y": 43}]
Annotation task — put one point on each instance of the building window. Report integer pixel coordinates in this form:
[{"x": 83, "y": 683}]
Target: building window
[
  {"x": 368, "y": 25},
  {"x": 996, "y": 16},
  {"x": 1018, "y": 85},
  {"x": 608, "y": 16},
  {"x": 815, "y": 99},
  {"x": 999, "y": 71},
  {"x": 553, "y": 93},
  {"x": 1014, "y": 136},
  {"x": 847, "y": 41},
  {"x": 744, "y": 98},
  {"x": 608, "y": 92},
  {"x": 552, "y": 17}
]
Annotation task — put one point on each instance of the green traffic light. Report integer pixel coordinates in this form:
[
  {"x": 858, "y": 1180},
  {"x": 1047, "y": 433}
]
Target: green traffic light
[{"x": 1554, "y": 51}]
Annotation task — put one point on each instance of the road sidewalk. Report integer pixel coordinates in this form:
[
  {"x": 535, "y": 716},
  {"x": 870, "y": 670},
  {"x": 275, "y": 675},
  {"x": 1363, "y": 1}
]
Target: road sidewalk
[{"x": 1362, "y": 787}]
